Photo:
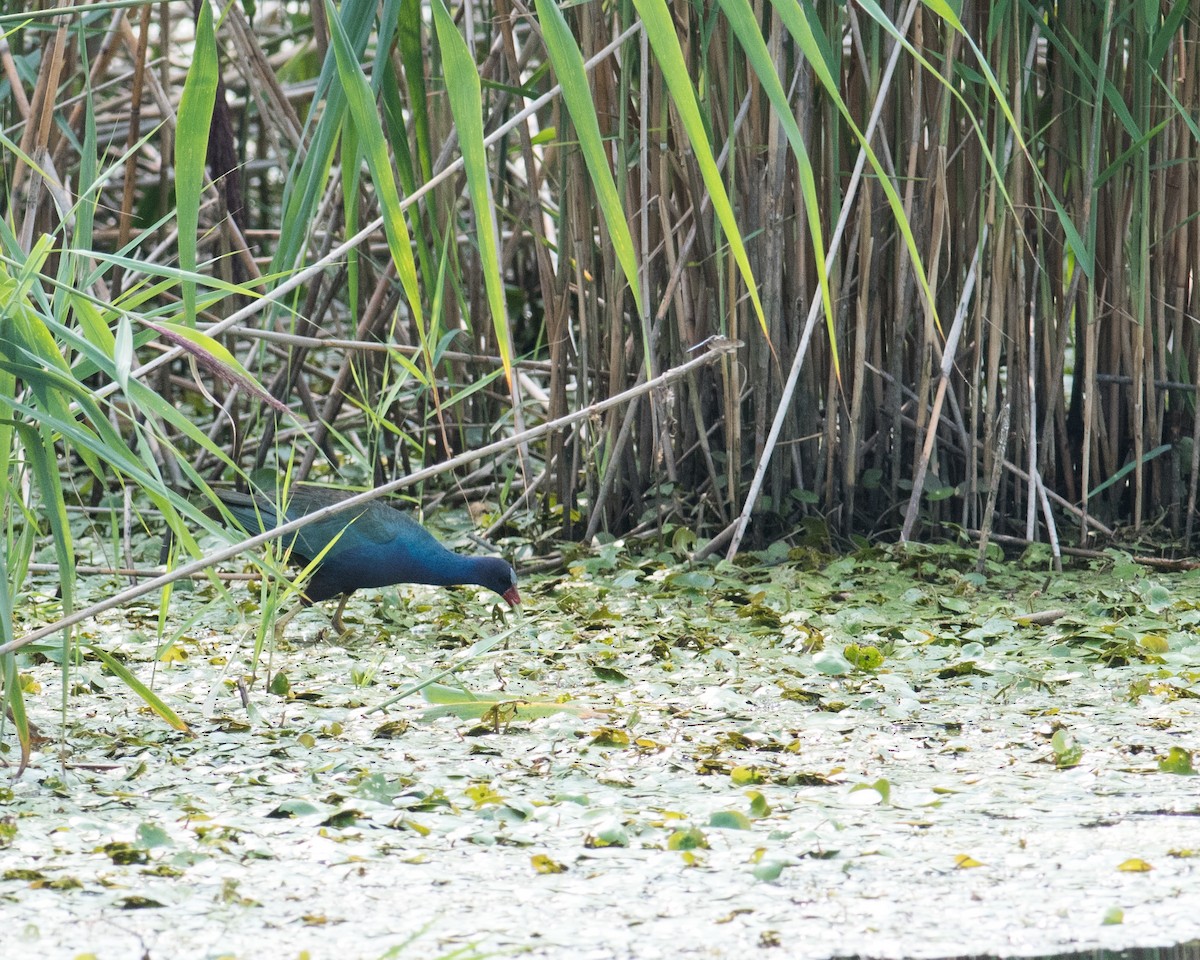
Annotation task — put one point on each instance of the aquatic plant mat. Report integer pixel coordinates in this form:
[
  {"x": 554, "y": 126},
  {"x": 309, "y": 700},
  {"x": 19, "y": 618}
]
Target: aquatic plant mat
[{"x": 884, "y": 757}]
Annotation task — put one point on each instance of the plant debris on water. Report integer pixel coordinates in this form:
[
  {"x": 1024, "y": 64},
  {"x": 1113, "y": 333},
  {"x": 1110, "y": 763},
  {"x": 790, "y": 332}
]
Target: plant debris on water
[{"x": 886, "y": 755}]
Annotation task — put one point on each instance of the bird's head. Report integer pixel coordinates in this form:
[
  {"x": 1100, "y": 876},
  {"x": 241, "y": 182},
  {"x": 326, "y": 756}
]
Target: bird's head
[{"x": 497, "y": 575}]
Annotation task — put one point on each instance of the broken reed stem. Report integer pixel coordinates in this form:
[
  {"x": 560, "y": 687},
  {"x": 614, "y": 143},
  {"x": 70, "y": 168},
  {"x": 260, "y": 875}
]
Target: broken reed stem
[
  {"x": 372, "y": 346},
  {"x": 1019, "y": 472},
  {"x": 949, "y": 355},
  {"x": 1055, "y": 299},
  {"x": 1048, "y": 516},
  {"x": 994, "y": 486},
  {"x": 606, "y": 482},
  {"x": 1159, "y": 563},
  {"x": 715, "y": 348}
]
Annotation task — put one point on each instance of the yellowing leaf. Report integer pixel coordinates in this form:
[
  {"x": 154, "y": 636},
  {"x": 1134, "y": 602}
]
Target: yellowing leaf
[
  {"x": 729, "y": 820},
  {"x": 759, "y": 807},
  {"x": 864, "y": 657},
  {"x": 610, "y": 737},
  {"x": 1135, "y": 865},
  {"x": 768, "y": 871},
  {"x": 482, "y": 794},
  {"x": 690, "y": 839},
  {"x": 544, "y": 864},
  {"x": 745, "y": 775},
  {"x": 1177, "y": 761},
  {"x": 965, "y": 862},
  {"x": 1155, "y": 644}
]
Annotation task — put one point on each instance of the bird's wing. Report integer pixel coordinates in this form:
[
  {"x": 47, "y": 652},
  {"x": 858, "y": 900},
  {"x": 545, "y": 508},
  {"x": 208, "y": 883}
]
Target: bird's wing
[
  {"x": 383, "y": 523},
  {"x": 376, "y": 521}
]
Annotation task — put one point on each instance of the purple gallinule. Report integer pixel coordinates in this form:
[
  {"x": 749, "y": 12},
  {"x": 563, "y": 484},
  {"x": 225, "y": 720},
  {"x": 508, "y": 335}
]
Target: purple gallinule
[{"x": 374, "y": 545}]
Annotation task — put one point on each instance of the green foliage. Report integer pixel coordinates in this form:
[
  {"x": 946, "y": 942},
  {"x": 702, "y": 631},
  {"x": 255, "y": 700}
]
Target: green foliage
[
  {"x": 1178, "y": 761},
  {"x": 660, "y": 30},
  {"x": 462, "y": 86},
  {"x": 369, "y": 133},
  {"x": 191, "y": 147},
  {"x": 1067, "y": 752}
]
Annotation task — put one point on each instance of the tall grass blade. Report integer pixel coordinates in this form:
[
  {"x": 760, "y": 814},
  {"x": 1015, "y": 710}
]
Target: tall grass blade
[
  {"x": 191, "y": 147},
  {"x": 152, "y": 699},
  {"x": 466, "y": 103},
  {"x": 743, "y": 21},
  {"x": 660, "y": 30},
  {"x": 369, "y": 130},
  {"x": 577, "y": 97}
]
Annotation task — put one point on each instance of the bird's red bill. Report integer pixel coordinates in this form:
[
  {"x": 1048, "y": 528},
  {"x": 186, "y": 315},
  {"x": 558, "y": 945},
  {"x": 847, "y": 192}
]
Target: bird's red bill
[{"x": 512, "y": 596}]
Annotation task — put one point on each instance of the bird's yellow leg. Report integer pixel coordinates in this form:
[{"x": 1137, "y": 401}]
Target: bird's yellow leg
[
  {"x": 283, "y": 621},
  {"x": 337, "y": 617}
]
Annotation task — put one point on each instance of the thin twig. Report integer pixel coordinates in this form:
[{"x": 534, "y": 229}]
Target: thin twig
[{"x": 134, "y": 573}]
